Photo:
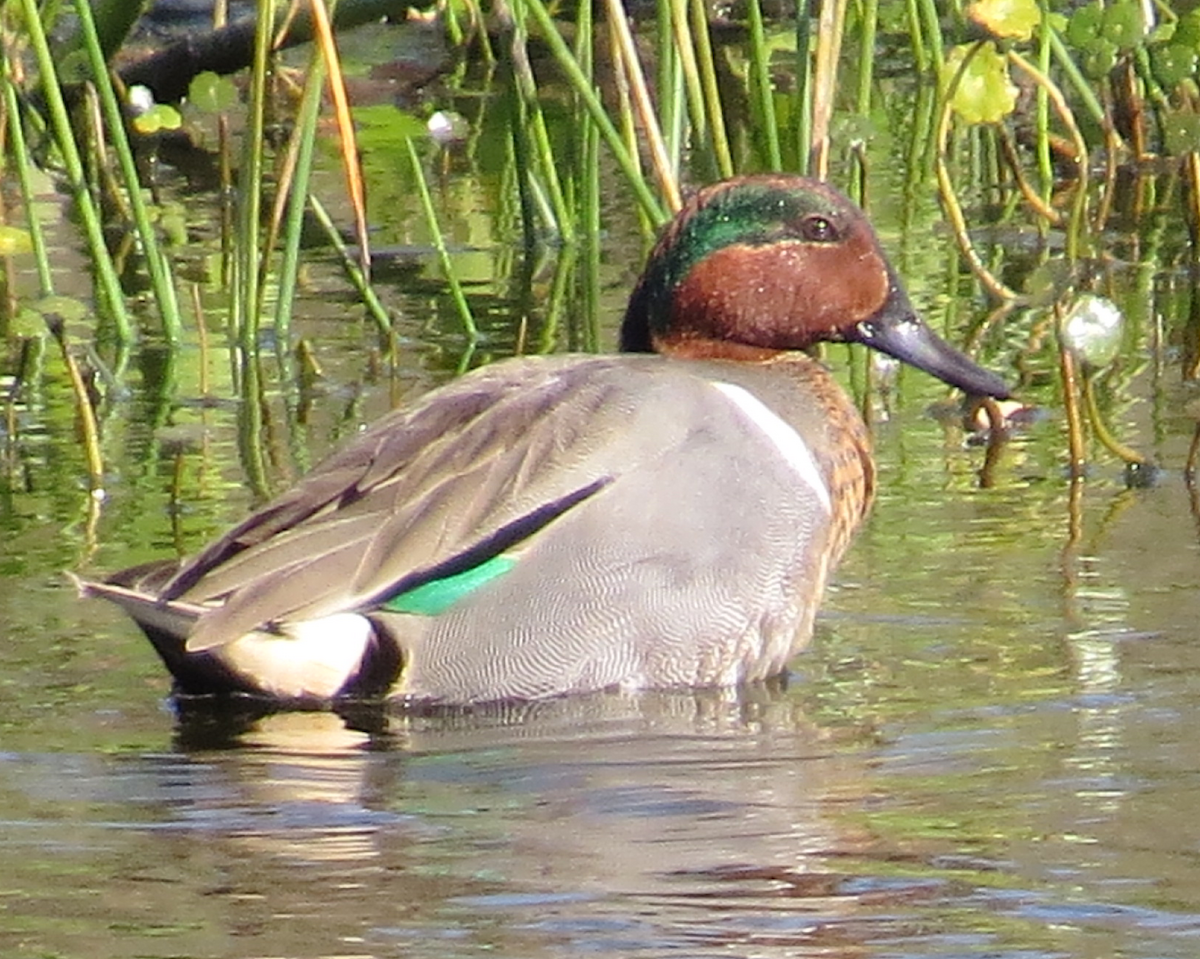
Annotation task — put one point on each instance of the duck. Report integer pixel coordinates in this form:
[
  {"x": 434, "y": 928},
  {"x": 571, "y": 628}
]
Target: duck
[{"x": 666, "y": 516}]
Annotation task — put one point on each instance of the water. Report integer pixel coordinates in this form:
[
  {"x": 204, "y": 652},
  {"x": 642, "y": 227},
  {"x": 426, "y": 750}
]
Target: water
[{"x": 988, "y": 752}]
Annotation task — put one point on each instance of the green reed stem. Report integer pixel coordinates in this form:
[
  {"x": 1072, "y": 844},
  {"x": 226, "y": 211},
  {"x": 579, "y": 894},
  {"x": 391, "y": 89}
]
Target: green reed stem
[
  {"x": 866, "y": 56},
  {"x": 685, "y": 47},
  {"x": 247, "y": 298},
  {"x": 558, "y": 300},
  {"x": 669, "y": 83},
  {"x": 536, "y": 121},
  {"x": 1080, "y": 83},
  {"x": 587, "y": 93},
  {"x": 712, "y": 92},
  {"x": 251, "y": 442},
  {"x": 439, "y": 242},
  {"x": 60, "y": 123},
  {"x": 625, "y": 53},
  {"x": 760, "y": 85},
  {"x": 920, "y": 53},
  {"x": 588, "y": 277},
  {"x": 1045, "y": 159},
  {"x": 20, "y": 159},
  {"x": 673, "y": 104},
  {"x": 350, "y": 264},
  {"x": 161, "y": 279},
  {"x": 303, "y": 139},
  {"x": 592, "y": 232},
  {"x": 802, "y": 103},
  {"x": 932, "y": 29}
]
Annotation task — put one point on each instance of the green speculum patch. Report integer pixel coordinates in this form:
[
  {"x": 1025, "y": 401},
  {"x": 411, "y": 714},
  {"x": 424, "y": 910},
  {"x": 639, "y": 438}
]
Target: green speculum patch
[{"x": 436, "y": 596}]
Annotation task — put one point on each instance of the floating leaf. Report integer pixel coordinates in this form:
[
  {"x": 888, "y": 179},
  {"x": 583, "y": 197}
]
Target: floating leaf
[
  {"x": 68, "y": 308},
  {"x": 27, "y": 324},
  {"x": 212, "y": 93},
  {"x": 383, "y": 127},
  {"x": 1173, "y": 63},
  {"x": 1187, "y": 30},
  {"x": 1099, "y": 57},
  {"x": 985, "y": 93},
  {"x": 161, "y": 116},
  {"x": 1123, "y": 25},
  {"x": 1084, "y": 25},
  {"x": 1009, "y": 19},
  {"x": 1181, "y": 133},
  {"x": 14, "y": 240}
]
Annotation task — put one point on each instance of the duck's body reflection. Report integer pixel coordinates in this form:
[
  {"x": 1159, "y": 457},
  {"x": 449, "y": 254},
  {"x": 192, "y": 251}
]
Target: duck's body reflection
[{"x": 610, "y": 824}]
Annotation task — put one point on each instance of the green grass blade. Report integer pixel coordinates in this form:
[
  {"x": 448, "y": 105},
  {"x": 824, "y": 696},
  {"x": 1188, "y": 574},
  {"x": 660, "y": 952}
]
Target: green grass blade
[
  {"x": 161, "y": 279},
  {"x": 591, "y": 101},
  {"x": 711, "y": 91},
  {"x": 20, "y": 159},
  {"x": 760, "y": 85},
  {"x": 304, "y": 136},
  {"x": 60, "y": 123},
  {"x": 247, "y": 295},
  {"x": 439, "y": 242}
]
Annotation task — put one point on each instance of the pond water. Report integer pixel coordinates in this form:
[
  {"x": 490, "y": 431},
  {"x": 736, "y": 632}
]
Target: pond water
[{"x": 987, "y": 752}]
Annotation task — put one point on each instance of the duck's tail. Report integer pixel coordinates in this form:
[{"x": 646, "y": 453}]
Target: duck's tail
[{"x": 311, "y": 662}]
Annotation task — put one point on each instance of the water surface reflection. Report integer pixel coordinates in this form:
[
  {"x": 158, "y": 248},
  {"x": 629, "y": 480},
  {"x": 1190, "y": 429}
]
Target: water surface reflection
[{"x": 620, "y": 825}]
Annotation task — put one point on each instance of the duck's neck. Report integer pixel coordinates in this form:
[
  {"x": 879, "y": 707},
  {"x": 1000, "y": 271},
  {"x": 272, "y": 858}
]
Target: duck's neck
[{"x": 705, "y": 348}]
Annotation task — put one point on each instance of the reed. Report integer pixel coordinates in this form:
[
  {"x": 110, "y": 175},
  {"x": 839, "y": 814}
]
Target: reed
[{"x": 1102, "y": 92}]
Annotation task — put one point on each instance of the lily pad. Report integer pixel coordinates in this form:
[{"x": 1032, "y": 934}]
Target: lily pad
[
  {"x": 1098, "y": 58},
  {"x": 14, "y": 240},
  {"x": 1120, "y": 24},
  {"x": 212, "y": 93},
  {"x": 27, "y": 324},
  {"x": 1187, "y": 30},
  {"x": 1181, "y": 133},
  {"x": 1008, "y": 19},
  {"x": 1173, "y": 63},
  {"x": 161, "y": 116},
  {"x": 1084, "y": 25},
  {"x": 985, "y": 93}
]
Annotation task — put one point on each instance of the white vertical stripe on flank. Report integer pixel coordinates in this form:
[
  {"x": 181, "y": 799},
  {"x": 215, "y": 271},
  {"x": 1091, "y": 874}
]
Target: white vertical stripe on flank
[{"x": 784, "y": 438}]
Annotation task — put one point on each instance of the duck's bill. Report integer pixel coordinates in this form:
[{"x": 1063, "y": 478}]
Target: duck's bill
[{"x": 899, "y": 333}]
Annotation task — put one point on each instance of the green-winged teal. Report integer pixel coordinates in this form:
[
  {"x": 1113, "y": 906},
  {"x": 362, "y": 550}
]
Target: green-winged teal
[{"x": 663, "y": 517}]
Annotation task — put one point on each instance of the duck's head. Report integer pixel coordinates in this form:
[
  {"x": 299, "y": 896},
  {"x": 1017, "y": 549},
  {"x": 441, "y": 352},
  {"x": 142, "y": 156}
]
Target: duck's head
[{"x": 760, "y": 264}]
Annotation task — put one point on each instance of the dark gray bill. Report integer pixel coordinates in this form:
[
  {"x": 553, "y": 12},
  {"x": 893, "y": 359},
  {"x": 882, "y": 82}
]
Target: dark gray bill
[{"x": 897, "y": 331}]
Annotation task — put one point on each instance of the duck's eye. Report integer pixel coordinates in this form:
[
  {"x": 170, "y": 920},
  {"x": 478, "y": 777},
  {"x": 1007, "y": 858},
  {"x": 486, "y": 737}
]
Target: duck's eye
[{"x": 818, "y": 229}]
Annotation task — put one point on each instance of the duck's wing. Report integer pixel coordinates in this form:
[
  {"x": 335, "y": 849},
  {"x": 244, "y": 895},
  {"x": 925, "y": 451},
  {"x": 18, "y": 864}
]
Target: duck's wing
[{"x": 428, "y": 492}]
